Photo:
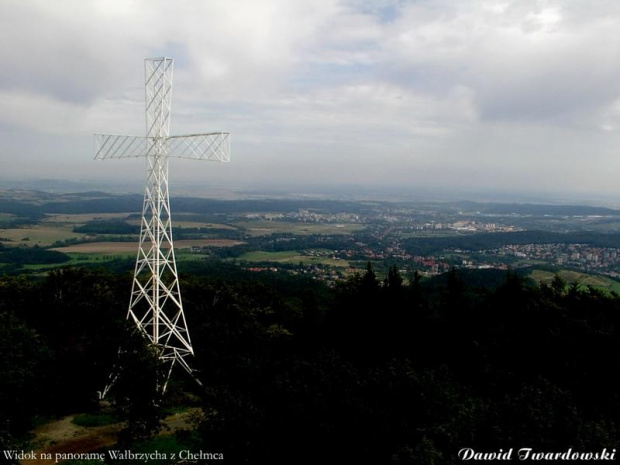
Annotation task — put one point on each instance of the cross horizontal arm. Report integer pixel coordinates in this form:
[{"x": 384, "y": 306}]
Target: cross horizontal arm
[
  {"x": 214, "y": 146},
  {"x": 115, "y": 146}
]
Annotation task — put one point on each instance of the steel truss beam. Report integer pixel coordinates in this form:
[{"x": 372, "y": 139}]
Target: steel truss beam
[{"x": 155, "y": 304}]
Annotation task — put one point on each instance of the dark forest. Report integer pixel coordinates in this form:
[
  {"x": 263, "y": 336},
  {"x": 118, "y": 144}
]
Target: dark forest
[{"x": 389, "y": 371}]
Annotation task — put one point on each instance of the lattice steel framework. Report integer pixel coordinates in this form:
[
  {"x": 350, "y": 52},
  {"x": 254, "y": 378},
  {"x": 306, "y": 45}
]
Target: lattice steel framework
[{"x": 155, "y": 304}]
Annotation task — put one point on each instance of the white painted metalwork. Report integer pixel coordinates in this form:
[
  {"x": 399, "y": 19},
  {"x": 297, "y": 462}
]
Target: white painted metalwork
[
  {"x": 211, "y": 147},
  {"x": 155, "y": 305}
]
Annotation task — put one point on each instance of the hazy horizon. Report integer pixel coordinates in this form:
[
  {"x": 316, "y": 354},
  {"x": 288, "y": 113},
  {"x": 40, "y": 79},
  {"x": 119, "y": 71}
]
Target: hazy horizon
[{"x": 393, "y": 193}]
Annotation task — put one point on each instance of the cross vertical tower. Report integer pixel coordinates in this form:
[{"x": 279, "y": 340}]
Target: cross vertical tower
[{"x": 155, "y": 305}]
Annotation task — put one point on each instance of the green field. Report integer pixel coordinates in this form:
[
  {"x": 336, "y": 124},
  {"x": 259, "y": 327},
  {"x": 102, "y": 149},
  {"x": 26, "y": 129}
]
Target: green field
[
  {"x": 196, "y": 224},
  {"x": 42, "y": 234},
  {"x": 78, "y": 259},
  {"x": 81, "y": 258},
  {"x": 78, "y": 219},
  {"x": 56, "y": 228},
  {"x": 571, "y": 277},
  {"x": 294, "y": 256},
  {"x": 265, "y": 228},
  {"x": 95, "y": 258}
]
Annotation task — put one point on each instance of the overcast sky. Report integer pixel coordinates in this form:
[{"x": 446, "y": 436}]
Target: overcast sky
[{"x": 518, "y": 95}]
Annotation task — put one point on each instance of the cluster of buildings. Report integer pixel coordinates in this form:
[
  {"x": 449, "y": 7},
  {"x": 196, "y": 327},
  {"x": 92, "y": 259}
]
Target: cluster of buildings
[
  {"x": 582, "y": 256},
  {"x": 466, "y": 227},
  {"x": 385, "y": 229},
  {"x": 307, "y": 216}
]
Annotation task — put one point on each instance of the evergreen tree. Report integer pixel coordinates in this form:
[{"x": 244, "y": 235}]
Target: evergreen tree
[{"x": 136, "y": 392}]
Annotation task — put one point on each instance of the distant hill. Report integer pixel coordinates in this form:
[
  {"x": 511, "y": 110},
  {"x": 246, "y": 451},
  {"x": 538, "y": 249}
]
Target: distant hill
[
  {"x": 537, "y": 209},
  {"x": 487, "y": 241}
]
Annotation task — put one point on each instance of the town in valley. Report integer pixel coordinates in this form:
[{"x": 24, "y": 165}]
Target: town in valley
[{"x": 325, "y": 239}]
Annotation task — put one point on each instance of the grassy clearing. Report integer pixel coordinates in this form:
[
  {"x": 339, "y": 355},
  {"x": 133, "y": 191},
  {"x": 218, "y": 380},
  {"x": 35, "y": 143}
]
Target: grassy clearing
[
  {"x": 293, "y": 256},
  {"x": 265, "y": 228},
  {"x": 42, "y": 234},
  {"x": 99, "y": 431},
  {"x": 199, "y": 224},
  {"x": 99, "y": 248},
  {"x": 79, "y": 219},
  {"x": 90, "y": 420},
  {"x": 108, "y": 248},
  {"x": 183, "y": 257},
  {"x": 188, "y": 243},
  {"x": 571, "y": 277},
  {"x": 82, "y": 258}
]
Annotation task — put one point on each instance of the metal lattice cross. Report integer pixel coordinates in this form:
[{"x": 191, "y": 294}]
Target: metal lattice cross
[{"x": 155, "y": 305}]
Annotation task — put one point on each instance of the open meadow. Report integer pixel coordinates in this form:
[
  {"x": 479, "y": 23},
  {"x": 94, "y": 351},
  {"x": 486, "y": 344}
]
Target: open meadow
[
  {"x": 576, "y": 277},
  {"x": 306, "y": 257},
  {"x": 42, "y": 234},
  {"x": 266, "y": 227},
  {"x": 123, "y": 247}
]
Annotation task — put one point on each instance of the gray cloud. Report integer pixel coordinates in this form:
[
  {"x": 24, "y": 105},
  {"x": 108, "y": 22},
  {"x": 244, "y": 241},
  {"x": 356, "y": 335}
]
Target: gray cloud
[{"x": 363, "y": 91}]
